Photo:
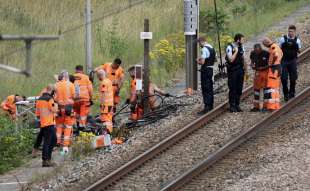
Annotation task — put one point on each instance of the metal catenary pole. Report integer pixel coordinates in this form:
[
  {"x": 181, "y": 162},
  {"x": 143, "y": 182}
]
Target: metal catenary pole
[
  {"x": 195, "y": 50},
  {"x": 146, "y": 80},
  {"x": 88, "y": 37},
  {"x": 190, "y": 32}
]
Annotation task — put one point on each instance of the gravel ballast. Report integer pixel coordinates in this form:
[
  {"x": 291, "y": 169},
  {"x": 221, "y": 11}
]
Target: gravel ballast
[{"x": 77, "y": 175}]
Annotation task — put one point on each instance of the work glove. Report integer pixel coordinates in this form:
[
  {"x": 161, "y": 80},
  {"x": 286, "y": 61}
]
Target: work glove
[{"x": 127, "y": 101}]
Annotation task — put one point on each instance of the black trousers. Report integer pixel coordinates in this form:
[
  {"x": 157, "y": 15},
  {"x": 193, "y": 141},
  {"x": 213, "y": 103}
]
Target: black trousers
[
  {"x": 235, "y": 85},
  {"x": 289, "y": 71},
  {"x": 207, "y": 87},
  {"x": 39, "y": 139},
  {"x": 49, "y": 141}
]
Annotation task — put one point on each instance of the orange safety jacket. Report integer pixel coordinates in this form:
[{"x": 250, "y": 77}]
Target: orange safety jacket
[
  {"x": 85, "y": 87},
  {"x": 133, "y": 91},
  {"x": 64, "y": 93},
  {"x": 276, "y": 55},
  {"x": 274, "y": 62},
  {"x": 106, "y": 96},
  {"x": 45, "y": 110},
  {"x": 152, "y": 96},
  {"x": 116, "y": 76},
  {"x": 9, "y": 105}
]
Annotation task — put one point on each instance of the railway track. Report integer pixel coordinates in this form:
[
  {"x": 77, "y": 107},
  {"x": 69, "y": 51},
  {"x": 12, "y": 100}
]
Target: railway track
[
  {"x": 177, "y": 153},
  {"x": 272, "y": 159},
  {"x": 236, "y": 142}
]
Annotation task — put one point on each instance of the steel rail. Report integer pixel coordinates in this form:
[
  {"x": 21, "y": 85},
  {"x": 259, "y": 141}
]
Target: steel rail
[
  {"x": 239, "y": 140},
  {"x": 234, "y": 143},
  {"x": 125, "y": 169},
  {"x": 110, "y": 179}
]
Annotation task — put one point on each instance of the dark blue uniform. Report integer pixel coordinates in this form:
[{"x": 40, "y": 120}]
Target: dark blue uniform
[
  {"x": 290, "y": 48},
  {"x": 207, "y": 79},
  {"x": 235, "y": 71}
]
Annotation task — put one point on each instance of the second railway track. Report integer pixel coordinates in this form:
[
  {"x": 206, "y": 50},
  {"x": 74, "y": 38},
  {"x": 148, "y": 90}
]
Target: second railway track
[
  {"x": 156, "y": 167},
  {"x": 253, "y": 155}
]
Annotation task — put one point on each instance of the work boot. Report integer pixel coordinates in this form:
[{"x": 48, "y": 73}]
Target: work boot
[
  {"x": 238, "y": 108},
  {"x": 286, "y": 97},
  {"x": 48, "y": 163},
  {"x": 52, "y": 163},
  {"x": 254, "y": 109},
  {"x": 264, "y": 110},
  {"x": 233, "y": 109},
  {"x": 35, "y": 152},
  {"x": 292, "y": 95},
  {"x": 204, "y": 111},
  {"x": 58, "y": 145}
]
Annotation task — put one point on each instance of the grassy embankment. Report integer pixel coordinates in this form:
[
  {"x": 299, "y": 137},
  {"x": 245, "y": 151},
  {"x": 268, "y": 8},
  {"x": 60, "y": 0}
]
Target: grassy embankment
[{"x": 114, "y": 36}]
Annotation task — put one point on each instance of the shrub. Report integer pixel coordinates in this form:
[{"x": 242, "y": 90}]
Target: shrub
[
  {"x": 169, "y": 53},
  {"x": 239, "y": 10},
  {"x": 82, "y": 145},
  {"x": 208, "y": 21},
  {"x": 110, "y": 42},
  {"x": 15, "y": 144}
]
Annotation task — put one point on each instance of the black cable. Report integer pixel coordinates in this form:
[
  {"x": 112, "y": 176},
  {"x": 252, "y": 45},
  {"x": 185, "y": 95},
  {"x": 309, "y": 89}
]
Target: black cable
[
  {"x": 163, "y": 111},
  {"x": 218, "y": 32}
]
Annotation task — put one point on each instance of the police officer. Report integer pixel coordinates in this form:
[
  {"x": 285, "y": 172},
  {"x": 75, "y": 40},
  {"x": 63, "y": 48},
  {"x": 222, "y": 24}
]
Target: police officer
[
  {"x": 236, "y": 70},
  {"x": 206, "y": 60},
  {"x": 290, "y": 45}
]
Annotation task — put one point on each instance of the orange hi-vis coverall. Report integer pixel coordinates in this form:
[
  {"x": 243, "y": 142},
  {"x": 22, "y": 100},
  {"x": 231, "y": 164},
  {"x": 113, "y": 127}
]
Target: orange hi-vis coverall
[
  {"x": 106, "y": 103},
  {"x": 46, "y": 112},
  {"x": 9, "y": 106},
  {"x": 272, "y": 90},
  {"x": 136, "y": 109},
  {"x": 116, "y": 77},
  {"x": 64, "y": 96},
  {"x": 83, "y": 95},
  {"x": 259, "y": 63}
]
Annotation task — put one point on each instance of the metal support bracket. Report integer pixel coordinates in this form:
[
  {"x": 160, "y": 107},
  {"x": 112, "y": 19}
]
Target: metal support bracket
[{"x": 28, "y": 42}]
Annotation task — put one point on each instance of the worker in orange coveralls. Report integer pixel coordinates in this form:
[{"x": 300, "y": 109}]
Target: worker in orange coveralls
[
  {"x": 9, "y": 105},
  {"x": 64, "y": 96},
  {"x": 106, "y": 100},
  {"x": 46, "y": 111},
  {"x": 83, "y": 96},
  {"x": 115, "y": 73},
  {"x": 272, "y": 90},
  {"x": 259, "y": 62},
  {"x": 135, "y": 106}
]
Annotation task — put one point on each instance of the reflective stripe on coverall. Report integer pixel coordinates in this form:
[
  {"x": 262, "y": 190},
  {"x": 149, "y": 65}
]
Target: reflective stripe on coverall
[{"x": 271, "y": 92}]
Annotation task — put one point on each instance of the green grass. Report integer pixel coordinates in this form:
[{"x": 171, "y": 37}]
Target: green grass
[
  {"x": 254, "y": 22},
  {"x": 52, "y": 16},
  {"x": 33, "y": 17}
]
